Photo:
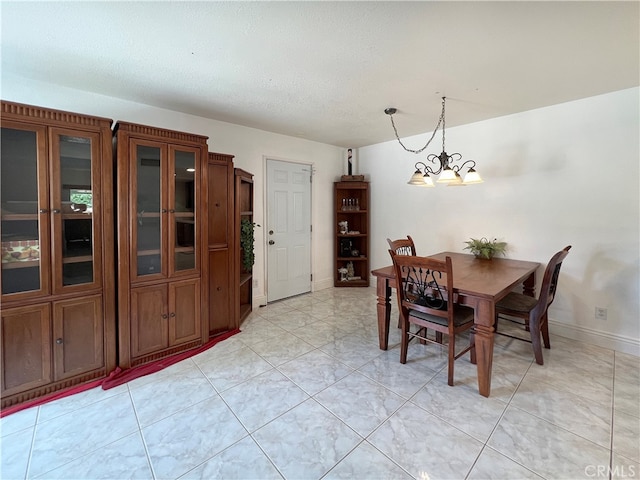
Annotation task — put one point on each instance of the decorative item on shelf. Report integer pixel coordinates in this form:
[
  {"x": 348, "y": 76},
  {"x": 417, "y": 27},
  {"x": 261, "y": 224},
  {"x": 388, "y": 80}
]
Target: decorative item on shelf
[
  {"x": 355, "y": 252},
  {"x": 351, "y": 166},
  {"x": 20, "y": 251},
  {"x": 350, "y": 271},
  {"x": 350, "y": 204},
  {"x": 352, "y": 178},
  {"x": 449, "y": 173},
  {"x": 345, "y": 247},
  {"x": 486, "y": 249},
  {"x": 79, "y": 207},
  {"x": 343, "y": 274},
  {"x": 344, "y": 227},
  {"x": 246, "y": 243}
]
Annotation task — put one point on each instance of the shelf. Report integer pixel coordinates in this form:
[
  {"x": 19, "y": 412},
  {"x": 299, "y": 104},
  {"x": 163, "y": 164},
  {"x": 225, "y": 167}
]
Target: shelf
[
  {"x": 78, "y": 259},
  {"x": 144, "y": 253},
  {"x": 25, "y": 264},
  {"x": 351, "y": 259},
  {"x": 352, "y": 211},
  {"x": 77, "y": 216},
  {"x": 246, "y": 213},
  {"x": 352, "y": 235},
  {"x": 244, "y": 278},
  {"x": 12, "y": 217}
]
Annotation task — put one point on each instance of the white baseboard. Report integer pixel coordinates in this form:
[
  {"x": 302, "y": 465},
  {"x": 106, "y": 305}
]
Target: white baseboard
[
  {"x": 619, "y": 343},
  {"x": 321, "y": 284},
  {"x": 259, "y": 300}
]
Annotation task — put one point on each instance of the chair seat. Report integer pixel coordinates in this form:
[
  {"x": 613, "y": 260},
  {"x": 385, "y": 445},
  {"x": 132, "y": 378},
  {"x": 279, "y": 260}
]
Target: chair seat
[
  {"x": 461, "y": 316},
  {"x": 516, "y": 302}
]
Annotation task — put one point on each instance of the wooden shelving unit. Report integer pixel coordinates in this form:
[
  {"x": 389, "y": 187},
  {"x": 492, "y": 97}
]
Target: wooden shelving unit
[
  {"x": 352, "y": 245},
  {"x": 243, "y": 211}
]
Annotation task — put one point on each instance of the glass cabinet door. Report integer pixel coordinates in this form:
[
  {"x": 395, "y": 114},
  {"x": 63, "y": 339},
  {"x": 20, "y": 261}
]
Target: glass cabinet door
[
  {"x": 75, "y": 201},
  {"x": 25, "y": 211},
  {"x": 184, "y": 166},
  {"x": 149, "y": 210}
]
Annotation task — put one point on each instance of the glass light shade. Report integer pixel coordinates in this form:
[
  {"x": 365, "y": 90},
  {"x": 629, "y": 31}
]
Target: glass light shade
[
  {"x": 417, "y": 179},
  {"x": 457, "y": 182},
  {"x": 427, "y": 181},
  {"x": 472, "y": 177},
  {"x": 447, "y": 176}
]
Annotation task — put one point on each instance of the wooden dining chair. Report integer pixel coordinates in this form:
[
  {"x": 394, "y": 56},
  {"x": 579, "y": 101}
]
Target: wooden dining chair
[
  {"x": 402, "y": 246},
  {"x": 531, "y": 312},
  {"x": 427, "y": 300}
]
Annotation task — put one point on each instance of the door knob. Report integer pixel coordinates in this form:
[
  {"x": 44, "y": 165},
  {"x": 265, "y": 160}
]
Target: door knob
[
  {"x": 270, "y": 232},
  {"x": 59, "y": 341},
  {"x": 271, "y": 242}
]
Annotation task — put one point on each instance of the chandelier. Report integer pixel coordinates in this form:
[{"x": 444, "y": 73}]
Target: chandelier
[{"x": 443, "y": 163}]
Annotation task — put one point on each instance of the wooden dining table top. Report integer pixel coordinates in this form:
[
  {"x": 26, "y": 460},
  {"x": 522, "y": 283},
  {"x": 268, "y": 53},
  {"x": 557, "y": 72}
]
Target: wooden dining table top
[{"x": 491, "y": 279}]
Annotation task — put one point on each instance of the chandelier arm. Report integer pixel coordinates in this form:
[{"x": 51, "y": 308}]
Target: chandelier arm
[{"x": 458, "y": 168}]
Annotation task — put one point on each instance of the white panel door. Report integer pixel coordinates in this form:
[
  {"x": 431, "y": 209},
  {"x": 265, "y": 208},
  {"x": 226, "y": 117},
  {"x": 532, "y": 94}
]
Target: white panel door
[{"x": 288, "y": 231}]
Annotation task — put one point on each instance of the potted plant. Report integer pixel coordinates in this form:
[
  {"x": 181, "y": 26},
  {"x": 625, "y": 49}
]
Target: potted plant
[
  {"x": 487, "y": 249},
  {"x": 246, "y": 243}
]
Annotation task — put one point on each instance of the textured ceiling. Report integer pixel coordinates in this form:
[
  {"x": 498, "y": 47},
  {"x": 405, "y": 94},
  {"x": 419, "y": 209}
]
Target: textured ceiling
[{"x": 325, "y": 71}]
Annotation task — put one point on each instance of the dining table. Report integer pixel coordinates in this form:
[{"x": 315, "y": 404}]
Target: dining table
[{"x": 480, "y": 284}]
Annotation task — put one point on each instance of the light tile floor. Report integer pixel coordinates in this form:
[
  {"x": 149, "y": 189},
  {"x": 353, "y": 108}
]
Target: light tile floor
[{"x": 305, "y": 393}]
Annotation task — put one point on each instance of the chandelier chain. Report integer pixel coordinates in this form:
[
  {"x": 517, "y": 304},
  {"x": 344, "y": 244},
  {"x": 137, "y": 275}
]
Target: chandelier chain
[{"x": 435, "y": 130}]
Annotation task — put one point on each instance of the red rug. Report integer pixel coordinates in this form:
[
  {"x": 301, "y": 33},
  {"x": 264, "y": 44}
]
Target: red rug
[{"x": 119, "y": 376}]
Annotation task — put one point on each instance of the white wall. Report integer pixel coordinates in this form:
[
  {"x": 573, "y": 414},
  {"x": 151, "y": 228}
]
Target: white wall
[
  {"x": 250, "y": 147},
  {"x": 562, "y": 175}
]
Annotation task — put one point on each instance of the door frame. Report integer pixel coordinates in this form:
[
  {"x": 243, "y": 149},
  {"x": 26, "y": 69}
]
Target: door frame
[{"x": 265, "y": 215}]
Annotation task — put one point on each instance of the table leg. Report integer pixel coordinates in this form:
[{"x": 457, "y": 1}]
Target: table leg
[
  {"x": 484, "y": 320},
  {"x": 529, "y": 285},
  {"x": 383, "y": 290}
]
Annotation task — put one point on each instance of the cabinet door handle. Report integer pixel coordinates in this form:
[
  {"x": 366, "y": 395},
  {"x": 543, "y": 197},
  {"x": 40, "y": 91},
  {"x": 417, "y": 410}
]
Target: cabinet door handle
[
  {"x": 172, "y": 211},
  {"x": 164, "y": 210},
  {"x": 173, "y": 314},
  {"x": 164, "y": 315},
  {"x": 59, "y": 341},
  {"x": 55, "y": 210},
  {"x": 43, "y": 210}
]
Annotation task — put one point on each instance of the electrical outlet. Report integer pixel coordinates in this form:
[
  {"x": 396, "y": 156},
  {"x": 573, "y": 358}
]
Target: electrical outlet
[
  {"x": 255, "y": 283},
  {"x": 601, "y": 313}
]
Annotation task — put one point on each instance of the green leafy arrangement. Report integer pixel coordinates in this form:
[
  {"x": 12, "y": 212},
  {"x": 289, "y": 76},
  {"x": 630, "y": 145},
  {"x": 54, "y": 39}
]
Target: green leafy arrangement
[
  {"x": 487, "y": 249},
  {"x": 246, "y": 243}
]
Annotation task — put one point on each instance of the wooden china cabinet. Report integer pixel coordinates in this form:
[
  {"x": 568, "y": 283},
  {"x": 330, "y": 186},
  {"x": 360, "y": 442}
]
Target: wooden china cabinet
[
  {"x": 162, "y": 238},
  {"x": 57, "y": 283},
  {"x": 220, "y": 244}
]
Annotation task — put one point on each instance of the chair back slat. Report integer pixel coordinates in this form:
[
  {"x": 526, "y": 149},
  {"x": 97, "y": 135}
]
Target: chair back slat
[
  {"x": 402, "y": 246},
  {"x": 550, "y": 281},
  {"x": 424, "y": 285}
]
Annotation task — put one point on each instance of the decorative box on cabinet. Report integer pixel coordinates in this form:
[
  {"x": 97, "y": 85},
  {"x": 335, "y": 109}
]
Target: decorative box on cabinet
[
  {"x": 221, "y": 291},
  {"x": 162, "y": 238},
  {"x": 243, "y": 211},
  {"x": 351, "y": 246},
  {"x": 57, "y": 284}
]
